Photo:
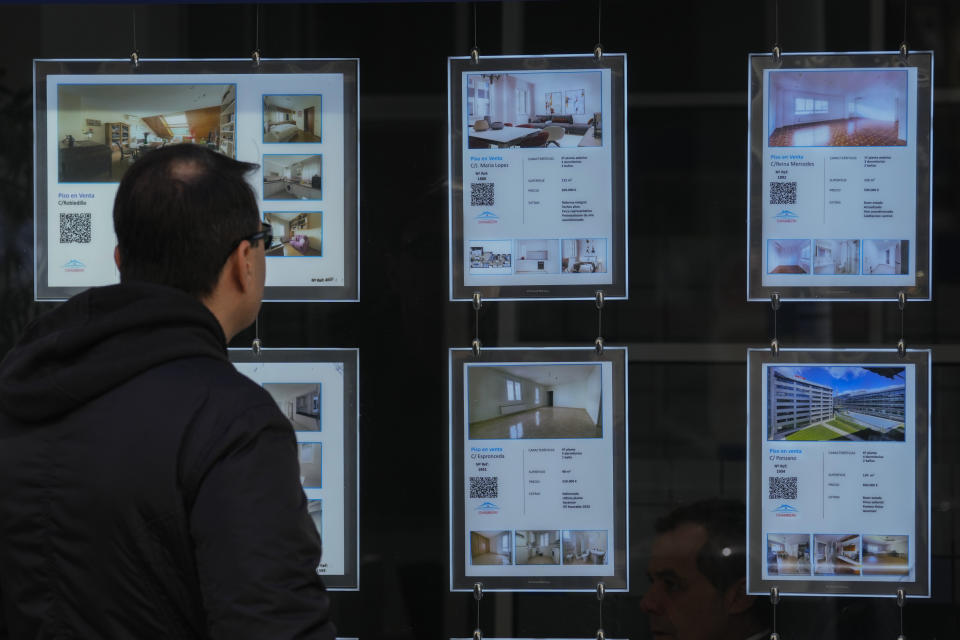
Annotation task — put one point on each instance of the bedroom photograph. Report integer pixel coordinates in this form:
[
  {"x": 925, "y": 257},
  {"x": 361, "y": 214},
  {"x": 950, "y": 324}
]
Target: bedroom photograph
[
  {"x": 295, "y": 234},
  {"x": 291, "y": 118},
  {"x": 104, "y": 128}
]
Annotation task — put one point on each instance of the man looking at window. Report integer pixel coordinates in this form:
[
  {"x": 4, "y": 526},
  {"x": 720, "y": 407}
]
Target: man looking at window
[{"x": 147, "y": 489}]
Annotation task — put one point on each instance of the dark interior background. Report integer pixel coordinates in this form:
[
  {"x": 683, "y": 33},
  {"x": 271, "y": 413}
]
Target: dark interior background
[{"x": 687, "y": 323}]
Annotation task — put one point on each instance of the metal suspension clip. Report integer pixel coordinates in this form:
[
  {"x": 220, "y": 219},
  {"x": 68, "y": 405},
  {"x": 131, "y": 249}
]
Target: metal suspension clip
[
  {"x": 135, "y": 59},
  {"x": 475, "y": 55},
  {"x": 598, "y": 51},
  {"x": 255, "y": 56}
]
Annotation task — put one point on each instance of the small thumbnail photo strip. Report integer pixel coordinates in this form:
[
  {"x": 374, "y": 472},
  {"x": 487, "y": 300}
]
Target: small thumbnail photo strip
[
  {"x": 837, "y": 555},
  {"x": 836, "y": 256},
  {"x": 539, "y": 547},
  {"x": 532, "y": 256}
]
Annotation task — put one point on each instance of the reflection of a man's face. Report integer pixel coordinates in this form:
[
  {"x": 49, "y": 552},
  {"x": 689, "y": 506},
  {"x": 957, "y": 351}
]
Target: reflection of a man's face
[{"x": 681, "y": 603}]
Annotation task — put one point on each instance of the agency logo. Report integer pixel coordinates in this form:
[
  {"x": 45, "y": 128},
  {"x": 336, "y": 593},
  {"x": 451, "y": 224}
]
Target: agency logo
[
  {"x": 786, "y": 215},
  {"x": 487, "y": 217},
  {"x": 487, "y": 508},
  {"x": 786, "y": 511},
  {"x": 74, "y": 266}
]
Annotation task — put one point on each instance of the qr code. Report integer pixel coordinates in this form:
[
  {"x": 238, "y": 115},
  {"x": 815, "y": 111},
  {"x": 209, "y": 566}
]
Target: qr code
[
  {"x": 481, "y": 487},
  {"x": 74, "y": 227},
  {"x": 783, "y": 193},
  {"x": 481, "y": 194},
  {"x": 783, "y": 488}
]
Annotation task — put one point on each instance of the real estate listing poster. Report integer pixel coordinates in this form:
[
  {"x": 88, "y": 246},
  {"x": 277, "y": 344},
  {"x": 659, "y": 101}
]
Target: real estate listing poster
[
  {"x": 838, "y": 472},
  {"x": 296, "y": 119},
  {"x": 316, "y": 390},
  {"x": 538, "y": 491},
  {"x": 839, "y": 176},
  {"x": 538, "y": 206}
]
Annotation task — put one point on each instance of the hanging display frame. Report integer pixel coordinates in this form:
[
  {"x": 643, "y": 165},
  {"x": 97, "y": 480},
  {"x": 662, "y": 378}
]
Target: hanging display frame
[
  {"x": 335, "y": 479},
  {"x": 854, "y": 456},
  {"x": 554, "y": 227},
  {"x": 316, "y": 253},
  {"x": 835, "y": 221},
  {"x": 564, "y": 471}
]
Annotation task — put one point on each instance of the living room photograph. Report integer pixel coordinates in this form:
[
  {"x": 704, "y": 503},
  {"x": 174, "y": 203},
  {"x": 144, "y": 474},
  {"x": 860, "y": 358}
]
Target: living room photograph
[
  {"x": 292, "y": 118},
  {"x": 535, "y": 401},
  {"x": 491, "y": 547},
  {"x": 788, "y": 256},
  {"x": 584, "y": 255},
  {"x": 295, "y": 233},
  {"x": 299, "y": 402},
  {"x": 538, "y": 547},
  {"x": 836, "y": 555},
  {"x": 104, "y": 129},
  {"x": 292, "y": 177},
  {"x": 827, "y": 108},
  {"x": 886, "y": 555},
  {"x": 585, "y": 547},
  {"x": 536, "y": 109},
  {"x": 788, "y": 554}
]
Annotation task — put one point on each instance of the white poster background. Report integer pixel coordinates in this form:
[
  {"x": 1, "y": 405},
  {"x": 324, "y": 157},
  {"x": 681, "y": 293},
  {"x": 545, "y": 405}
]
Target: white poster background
[{"x": 91, "y": 264}]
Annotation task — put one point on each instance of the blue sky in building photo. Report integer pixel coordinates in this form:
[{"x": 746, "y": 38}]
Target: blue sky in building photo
[{"x": 844, "y": 379}]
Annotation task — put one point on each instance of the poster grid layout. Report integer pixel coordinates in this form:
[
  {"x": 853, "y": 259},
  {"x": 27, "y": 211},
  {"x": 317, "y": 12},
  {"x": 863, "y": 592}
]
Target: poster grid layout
[
  {"x": 538, "y": 478},
  {"x": 538, "y": 205},
  {"x": 838, "y": 472},
  {"x": 317, "y": 391},
  {"x": 839, "y": 165},
  {"x": 296, "y": 119}
]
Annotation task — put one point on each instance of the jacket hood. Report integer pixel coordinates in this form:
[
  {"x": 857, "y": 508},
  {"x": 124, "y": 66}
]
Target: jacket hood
[{"x": 98, "y": 340}]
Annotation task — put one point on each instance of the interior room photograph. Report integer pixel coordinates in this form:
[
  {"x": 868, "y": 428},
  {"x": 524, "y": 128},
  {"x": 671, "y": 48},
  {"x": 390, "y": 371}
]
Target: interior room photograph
[
  {"x": 885, "y": 257},
  {"x": 492, "y": 256},
  {"x": 585, "y": 547},
  {"x": 300, "y": 402},
  {"x": 826, "y": 108},
  {"x": 885, "y": 555},
  {"x": 295, "y": 233},
  {"x": 292, "y": 177},
  {"x": 104, "y": 128},
  {"x": 836, "y": 555},
  {"x": 556, "y": 109},
  {"x": 788, "y": 256},
  {"x": 535, "y": 401},
  {"x": 491, "y": 547},
  {"x": 315, "y": 509},
  {"x": 538, "y": 256},
  {"x": 836, "y": 257},
  {"x": 310, "y": 456},
  {"x": 584, "y": 255},
  {"x": 788, "y": 554},
  {"x": 291, "y": 118},
  {"x": 538, "y": 547}
]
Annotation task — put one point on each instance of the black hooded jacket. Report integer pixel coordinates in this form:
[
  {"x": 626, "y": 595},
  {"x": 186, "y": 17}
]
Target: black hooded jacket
[{"x": 147, "y": 489}]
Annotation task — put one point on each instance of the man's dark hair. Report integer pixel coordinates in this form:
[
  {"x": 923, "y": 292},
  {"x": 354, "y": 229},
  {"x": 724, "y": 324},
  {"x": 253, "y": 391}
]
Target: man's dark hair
[
  {"x": 179, "y": 212},
  {"x": 722, "y": 558}
]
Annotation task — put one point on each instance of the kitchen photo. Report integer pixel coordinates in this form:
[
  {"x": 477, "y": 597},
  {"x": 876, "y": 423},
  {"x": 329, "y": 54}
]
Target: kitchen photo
[
  {"x": 292, "y": 177},
  {"x": 538, "y": 547},
  {"x": 295, "y": 233},
  {"x": 299, "y": 402},
  {"x": 291, "y": 118}
]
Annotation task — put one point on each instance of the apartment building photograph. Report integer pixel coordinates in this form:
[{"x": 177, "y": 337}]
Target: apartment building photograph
[
  {"x": 535, "y": 401},
  {"x": 836, "y": 403}
]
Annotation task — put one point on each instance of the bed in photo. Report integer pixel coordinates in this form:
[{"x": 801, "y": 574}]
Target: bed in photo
[{"x": 292, "y": 118}]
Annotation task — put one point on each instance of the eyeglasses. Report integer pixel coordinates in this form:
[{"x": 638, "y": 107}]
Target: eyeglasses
[{"x": 266, "y": 232}]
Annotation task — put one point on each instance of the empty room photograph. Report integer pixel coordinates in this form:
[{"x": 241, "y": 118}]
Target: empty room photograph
[
  {"x": 885, "y": 555},
  {"x": 292, "y": 177},
  {"x": 491, "y": 547},
  {"x": 556, "y": 109},
  {"x": 826, "y": 108},
  {"x": 310, "y": 456},
  {"x": 538, "y": 256},
  {"x": 104, "y": 128},
  {"x": 538, "y": 547},
  {"x": 535, "y": 401},
  {"x": 788, "y": 256},
  {"x": 299, "y": 401},
  {"x": 291, "y": 118},
  {"x": 788, "y": 554},
  {"x": 838, "y": 403},
  {"x": 584, "y": 255},
  {"x": 836, "y": 257},
  {"x": 295, "y": 233},
  {"x": 885, "y": 257},
  {"x": 585, "y": 547},
  {"x": 836, "y": 555}
]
